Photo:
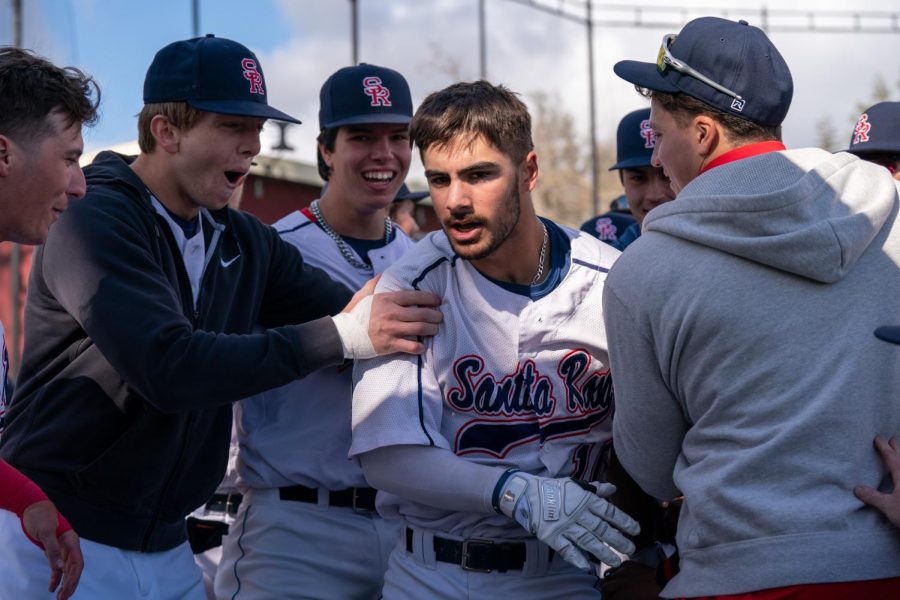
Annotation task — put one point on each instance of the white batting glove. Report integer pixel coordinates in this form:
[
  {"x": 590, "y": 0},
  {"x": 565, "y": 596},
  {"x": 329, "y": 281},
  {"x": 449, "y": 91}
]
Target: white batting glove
[{"x": 567, "y": 517}]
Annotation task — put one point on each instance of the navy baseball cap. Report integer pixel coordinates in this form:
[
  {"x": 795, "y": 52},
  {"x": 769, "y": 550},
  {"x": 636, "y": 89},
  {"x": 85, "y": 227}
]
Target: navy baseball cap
[
  {"x": 634, "y": 141},
  {"x": 608, "y": 227},
  {"x": 364, "y": 94},
  {"x": 731, "y": 66},
  {"x": 877, "y": 130},
  {"x": 404, "y": 193},
  {"x": 211, "y": 74}
]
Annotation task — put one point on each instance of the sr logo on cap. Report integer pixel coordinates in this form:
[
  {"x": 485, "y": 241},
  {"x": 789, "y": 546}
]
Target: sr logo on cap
[
  {"x": 381, "y": 96},
  {"x": 252, "y": 74},
  {"x": 648, "y": 134},
  {"x": 862, "y": 128}
]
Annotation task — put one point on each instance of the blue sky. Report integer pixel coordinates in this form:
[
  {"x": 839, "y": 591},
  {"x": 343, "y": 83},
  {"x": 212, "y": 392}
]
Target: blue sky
[
  {"x": 433, "y": 42},
  {"x": 115, "y": 40}
]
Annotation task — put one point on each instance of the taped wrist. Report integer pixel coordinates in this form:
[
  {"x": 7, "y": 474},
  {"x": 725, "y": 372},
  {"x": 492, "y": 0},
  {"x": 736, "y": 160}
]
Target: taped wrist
[{"x": 353, "y": 329}]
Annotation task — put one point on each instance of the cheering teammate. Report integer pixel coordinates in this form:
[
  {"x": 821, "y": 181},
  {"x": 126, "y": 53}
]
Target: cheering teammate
[
  {"x": 308, "y": 521},
  {"x": 140, "y": 319},
  {"x": 478, "y": 444}
]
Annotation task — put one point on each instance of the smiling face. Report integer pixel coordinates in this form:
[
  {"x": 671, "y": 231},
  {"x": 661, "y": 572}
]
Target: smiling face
[
  {"x": 368, "y": 164},
  {"x": 676, "y": 150},
  {"x": 476, "y": 193},
  {"x": 38, "y": 178},
  {"x": 646, "y": 188},
  {"x": 211, "y": 161}
]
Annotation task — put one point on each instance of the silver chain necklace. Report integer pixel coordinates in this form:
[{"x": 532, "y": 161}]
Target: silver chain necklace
[
  {"x": 540, "y": 270},
  {"x": 343, "y": 246}
]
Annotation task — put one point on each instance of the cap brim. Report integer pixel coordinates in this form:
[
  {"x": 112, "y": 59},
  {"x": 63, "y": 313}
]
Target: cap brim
[
  {"x": 889, "y": 333},
  {"x": 631, "y": 163},
  {"x": 242, "y": 109},
  {"x": 370, "y": 119},
  {"x": 868, "y": 150},
  {"x": 645, "y": 75},
  {"x": 414, "y": 196}
]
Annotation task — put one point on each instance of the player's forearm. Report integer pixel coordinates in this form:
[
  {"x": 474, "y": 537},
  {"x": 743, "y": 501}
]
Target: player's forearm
[
  {"x": 432, "y": 476},
  {"x": 18, "y": 492}
]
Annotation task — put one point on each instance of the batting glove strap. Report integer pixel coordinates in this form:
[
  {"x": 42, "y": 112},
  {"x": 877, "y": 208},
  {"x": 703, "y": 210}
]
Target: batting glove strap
[
  {"x": 571, "y": 518},
  {"x": 495, "y": 497}
]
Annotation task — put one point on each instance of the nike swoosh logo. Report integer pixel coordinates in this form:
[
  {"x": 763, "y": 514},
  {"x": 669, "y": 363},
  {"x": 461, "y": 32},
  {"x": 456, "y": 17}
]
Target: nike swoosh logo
[{"x": 227, "y": 264}]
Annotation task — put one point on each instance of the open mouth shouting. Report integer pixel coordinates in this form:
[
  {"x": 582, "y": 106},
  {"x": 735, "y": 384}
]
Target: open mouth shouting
[
  {"x": 464, "y": 232},
  {"x": 235, "y": 178}
]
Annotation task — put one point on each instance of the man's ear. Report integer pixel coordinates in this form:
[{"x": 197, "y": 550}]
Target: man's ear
[
  {"x": 167, "y": 136},
  {"x": 530, "y": 171},
  {"x": 706, "y": 135},
  {"x": 5, "y": 155},
  {"x": 326, "y": 156}
]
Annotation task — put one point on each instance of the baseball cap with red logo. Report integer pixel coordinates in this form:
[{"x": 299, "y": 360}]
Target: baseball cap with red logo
[
  {"x": 364, "y": 94},
  {"x": 877, "y": 130},
  {"x": 634, "y": 141},
  {"x": 211, "y": 74}
]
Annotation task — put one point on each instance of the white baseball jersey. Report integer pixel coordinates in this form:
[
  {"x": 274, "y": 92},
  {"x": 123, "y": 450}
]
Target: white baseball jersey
[
  {"x": 299, "y": 433},
  {"x": 507, "y": 381}
]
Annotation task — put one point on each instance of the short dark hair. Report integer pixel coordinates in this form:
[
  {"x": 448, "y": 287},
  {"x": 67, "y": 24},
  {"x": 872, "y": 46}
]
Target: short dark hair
[
  {"x": 32, "y": 87},
  {"x": 327, "y": 137},
  {"x": 478, "y": 109},
  {"x": 180, "y": 114},
  {"x": 685, "y": 107}
]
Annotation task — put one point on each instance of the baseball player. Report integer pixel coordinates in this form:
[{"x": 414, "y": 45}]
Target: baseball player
[
  {"x": 482, "y": 443},
  {"x": 148, "y": 303},
  {"x": 646, "y": 186},
  {"x": 876, "y": 136},
  {"x": 307, "y": 526},
  {"x": 44, "y": 109}
]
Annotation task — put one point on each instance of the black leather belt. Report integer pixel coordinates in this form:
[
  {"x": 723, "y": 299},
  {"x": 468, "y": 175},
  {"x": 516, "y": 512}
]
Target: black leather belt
[
  {"x": 224, "y": 503},
  {"x": 478, "y": 555},
  {"x": 359, "y": 499}
]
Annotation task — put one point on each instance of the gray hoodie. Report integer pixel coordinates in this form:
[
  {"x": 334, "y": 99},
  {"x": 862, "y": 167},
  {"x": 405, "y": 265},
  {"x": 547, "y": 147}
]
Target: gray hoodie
[{"x": 747, "y": 377}]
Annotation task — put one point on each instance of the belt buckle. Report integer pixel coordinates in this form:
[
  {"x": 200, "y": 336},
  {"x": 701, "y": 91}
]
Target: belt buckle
[
  {"x": 465, "y": 554},
  {"x": 231, "y": 506},
  {"x": 354, "y": 499}
]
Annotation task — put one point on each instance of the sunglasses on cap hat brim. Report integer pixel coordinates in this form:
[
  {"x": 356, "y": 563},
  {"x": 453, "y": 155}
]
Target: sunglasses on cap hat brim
[{"x": 665, "y": 60}]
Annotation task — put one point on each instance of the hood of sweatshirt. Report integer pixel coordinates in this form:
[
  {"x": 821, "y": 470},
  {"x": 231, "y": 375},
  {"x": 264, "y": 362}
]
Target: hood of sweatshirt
[
  {"x": 807, "y": 212},
  {"x": 110, "y": 169}
]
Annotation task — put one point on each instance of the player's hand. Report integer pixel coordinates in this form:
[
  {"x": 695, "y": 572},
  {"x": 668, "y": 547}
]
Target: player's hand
[
  {"x": 41, "y": 521},
  {"x": 376, "y": 324},
  {"x": 889, "y": 504},
  {"x": 574, "y": 521},
  {"x": 398, "y": 318}
]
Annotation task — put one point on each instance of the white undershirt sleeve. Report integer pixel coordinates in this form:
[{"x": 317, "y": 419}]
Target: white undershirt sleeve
[{"x": 432, "y": 476}]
